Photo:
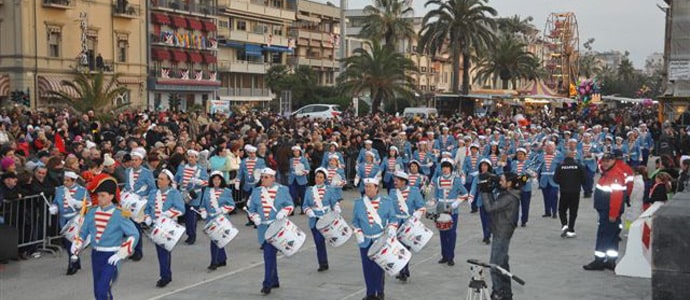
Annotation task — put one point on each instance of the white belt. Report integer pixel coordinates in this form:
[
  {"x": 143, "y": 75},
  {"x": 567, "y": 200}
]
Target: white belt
[
  {"x": 402, "y": 216},
  {"x": 547, "y": 173},
  {"x": 373, "y": 236},
  {"x": 107, "y": 249},
  {"x": 446, "y": 200},
  {"x": 70, "y": 215},
  {"x": 267, "y": 222}
]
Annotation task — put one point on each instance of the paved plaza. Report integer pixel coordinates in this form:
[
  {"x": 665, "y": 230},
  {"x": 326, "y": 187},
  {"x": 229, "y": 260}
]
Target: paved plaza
[{"x": 551, "y": 266}]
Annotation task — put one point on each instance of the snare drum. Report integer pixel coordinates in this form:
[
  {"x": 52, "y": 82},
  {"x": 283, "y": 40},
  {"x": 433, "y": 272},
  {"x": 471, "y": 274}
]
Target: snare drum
[
  {"x": 414, "y": 234},
  {"x": 166, "y": 233},
  {"x": 134, "y": 204},
  {"x": 285, "y": 236},
  {"x": 220, "y": 230},
  {"x": 334, "y": 229},
  {"x": 71, "y": 230},
  {"x": 444, "y": 222},
  {"x": 389, "y": 254}
]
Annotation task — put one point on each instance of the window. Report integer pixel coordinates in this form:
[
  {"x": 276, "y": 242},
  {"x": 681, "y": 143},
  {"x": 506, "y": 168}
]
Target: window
[
  {"x": 423, "y": 69},
  {"x": 122, "y": 46},
  {"x": 320, "y": 108},
  {"x": 242, "y": 25},
  {"x": 278, "y": 3},
  {"x": 223, "y": 24},
  {"x": 277, "y": 30},
  {"x": 276, "y": 58},
  {"x": 123, "y": 98},
  {"x": 54, "y": 43}
]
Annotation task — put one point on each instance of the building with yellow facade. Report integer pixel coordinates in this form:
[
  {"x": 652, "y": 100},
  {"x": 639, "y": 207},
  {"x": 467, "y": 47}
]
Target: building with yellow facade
[
  {"x": 317, "y": 34},
  {"x": 43, "y": 41}
]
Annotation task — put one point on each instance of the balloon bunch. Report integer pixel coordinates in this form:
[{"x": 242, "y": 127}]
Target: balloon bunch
[
  {"x": 586, "y": 89},
  {"x": 643, "y": 91}
]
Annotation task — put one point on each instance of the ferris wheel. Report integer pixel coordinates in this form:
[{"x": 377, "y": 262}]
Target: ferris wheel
[{"x": 561, "y": 51}]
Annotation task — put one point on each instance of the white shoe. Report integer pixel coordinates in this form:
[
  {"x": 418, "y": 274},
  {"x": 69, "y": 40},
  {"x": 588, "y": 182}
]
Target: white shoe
[
  {"x": 565, "y": 227},
  {"x": 570, "y": 235}
]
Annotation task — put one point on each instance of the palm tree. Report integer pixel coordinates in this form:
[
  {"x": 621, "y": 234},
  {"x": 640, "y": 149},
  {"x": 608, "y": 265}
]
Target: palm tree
[
  {"x": 518, "y": 27},
  {"x": 508, "y": 60},
  {"x": 380, "y": 71},
  {"x": 626, "y": 71},
  {"x": 589, "y": 66},
  {"x": 386, "y": 21},
  {"x": 461, "y": 26},
  {"x": 94, "y": 92}
]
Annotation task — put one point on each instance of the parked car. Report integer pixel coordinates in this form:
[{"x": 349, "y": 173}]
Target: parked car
[
  {"x": 422, "y": 112},
  {"x": 318, "y": 111}
]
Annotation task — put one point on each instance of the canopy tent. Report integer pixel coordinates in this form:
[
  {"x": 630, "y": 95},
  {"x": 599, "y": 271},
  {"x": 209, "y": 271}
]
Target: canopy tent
[
  {"x": 624, "y": 99},
  {"x": 538, "y": 89}
]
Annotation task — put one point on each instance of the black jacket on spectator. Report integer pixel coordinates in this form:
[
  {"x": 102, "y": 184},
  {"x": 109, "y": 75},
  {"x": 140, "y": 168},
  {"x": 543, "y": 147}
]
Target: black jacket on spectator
[
  {"x": 46, "y": 187},
  {"x": 570, "y": 176},
  {"x": 658, "y": 193}
]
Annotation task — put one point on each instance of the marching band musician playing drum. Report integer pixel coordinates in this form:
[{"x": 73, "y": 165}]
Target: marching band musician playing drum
[
  {"x": 334, "y": 169},
  {"x": 408, "y": 203},
  {"x": 140, "y": 181},
  {"x": 217, "y": 200},
  {"x": 269, "y": 203},
  {"x": 248, "y": 167},
  {"x": 318, "y": 201},
  {"x": 447, "y": 193},
  {"x": 67, "y": 202},
  {"x": 297, "y": 179},
  {"x": 112, "y": 236},
  {"x": 164, "y": 202},
  {"x": 373, "y": 216},
  {"x": 191, "y": 178}
]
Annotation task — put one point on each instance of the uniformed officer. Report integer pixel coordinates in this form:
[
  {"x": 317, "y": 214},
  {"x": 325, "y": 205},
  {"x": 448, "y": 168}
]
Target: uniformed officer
[
  {"x": 139, "y": 181},
  {"x": 446, "y": 195},
  {"x": 164, "y": 202},
  {"x": 269, "y": 203},
  {"x": 408, "y": 203},
  {"x": 68, "y": 201},
  {"x": 319, "y": 200},
  {"x": 608, "y": 201},
  {"x": 191, "y": 178},
  {"x": 373, "y": 217},
  {"x": 297, "y": 178},
  {"x": 217, "y": 201},
  {"x": 248, "y": 167},
  {"x": 112, "y": 236}
]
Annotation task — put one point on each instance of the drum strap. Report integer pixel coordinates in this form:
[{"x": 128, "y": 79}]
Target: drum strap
[
  {"x": 267, "y": 200},
  {"x": 402, "y": 201},
  {"x": 371, "y": 211},
  {"x": 318, "y": 202},
  {"x": 132, "y": 182},
  {"x": 213, "y": 197}
]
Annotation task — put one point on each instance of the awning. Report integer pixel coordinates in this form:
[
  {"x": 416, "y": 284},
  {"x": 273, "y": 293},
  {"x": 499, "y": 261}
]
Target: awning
[
  {"x": 160, "y": 54},
  {"x": 246, "y": 98},
  {"x": 48, "y": 84},
  {"x": 195, "y": 24},
  {"x": 179, "y": 22},
  {"x": 252, "y": 50},
  {"x": 4, "y": 85},
  {"x": 160, "y": 19},
  {"x": 209, "y": 26},
  {"x": 277, "y": 49},
  {"x": 232, "y": 44},
  {"x": 195, "y": 57},
  {"x": 179, "y": 56},
  {"x": 210, "y": 58},
  {"x": 130, "y": 80}
]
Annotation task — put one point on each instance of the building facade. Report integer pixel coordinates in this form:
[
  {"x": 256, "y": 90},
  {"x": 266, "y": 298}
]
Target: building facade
[
  {"x": 317, "y": 35},
  {"x": 45, "y": 41},
  {"x": 253, "y": 37},
  {"x": 183, "y": 49}
]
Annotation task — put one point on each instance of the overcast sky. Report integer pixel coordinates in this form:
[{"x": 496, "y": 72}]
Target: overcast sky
[{"x": 633, "y": 25}]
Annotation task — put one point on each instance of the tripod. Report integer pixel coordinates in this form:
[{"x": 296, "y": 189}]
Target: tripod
[{"x": 478, "y": 289}]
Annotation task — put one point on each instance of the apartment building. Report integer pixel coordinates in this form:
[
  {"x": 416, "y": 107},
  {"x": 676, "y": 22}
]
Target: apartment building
[
  {"x": 44, "y": 41},
  {"x": 183, "y": 60}
]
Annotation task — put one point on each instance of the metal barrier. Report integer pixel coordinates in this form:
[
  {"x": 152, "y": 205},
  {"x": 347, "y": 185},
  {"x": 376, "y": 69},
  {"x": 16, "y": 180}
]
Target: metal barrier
[{"x": 32, "y": 219}]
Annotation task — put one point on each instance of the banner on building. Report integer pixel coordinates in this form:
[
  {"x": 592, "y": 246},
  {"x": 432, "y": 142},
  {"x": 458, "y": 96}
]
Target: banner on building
[{"x": 219, "y": 106}]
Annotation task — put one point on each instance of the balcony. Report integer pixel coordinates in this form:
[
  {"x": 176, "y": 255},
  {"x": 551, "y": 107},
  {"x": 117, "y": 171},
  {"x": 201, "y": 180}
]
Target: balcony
[
  {"x": 313, "y": 62},
  {"x": 244, "y": 92},
  {"x": 167, "y": 39},
  {"x": 130, "y": 11},
  {"x": 94, "y": 65},
  {"x": 170, "y": 76},
  {"x": 259, "y": 7},
  {"x": 61, "y": 4},
  {"x": 183, "y": 6},
  {"x": 243, "y": 66}
]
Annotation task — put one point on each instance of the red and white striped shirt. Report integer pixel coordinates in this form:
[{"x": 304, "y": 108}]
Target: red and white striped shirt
[
  {"x": 72, "y": 192},
  {"x": 251, "y": 163},
  {"x": 520, "y": 165},
  {"x": 188, "y": 174},
  {"x": 375, "y": 204},
  {"x": 158, "y": 207},
  {"x": 413, "y": 179},
  {"x": 367, "y": 169},
  {"x": 266, "y": 204},
  {"x": 101, "y": 219},
  {"x": 391, "y": 164},
  {"x": 331, "y": 173},
  {"x": 445, "y": 184},
  {"x": 548, "y": 158}
]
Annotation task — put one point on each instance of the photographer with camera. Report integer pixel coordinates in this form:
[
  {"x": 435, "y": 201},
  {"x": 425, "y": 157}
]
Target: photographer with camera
[
  {"x": 502, "y": 209},
  {"x": 485, "y": 182}
]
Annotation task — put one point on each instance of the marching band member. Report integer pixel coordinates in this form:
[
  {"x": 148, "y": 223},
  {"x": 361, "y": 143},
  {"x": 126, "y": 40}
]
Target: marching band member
[
  {"x": 248, "y": 167},
  {"x": 389, "y": 165},
  {"x": 522, "y": 166},
  {"x": 619, "y": 144},
  {"x": 495, "y": 157},
  {"x": 367, "y": 169},
  {"x": 332, "y": 150},
  {"x": 445, "y": 142},
  {"x": 415, "y": 178},
  {"x": 548, "y": 162},
  {"x": 332, "y": 170},
  {"x": 408, "y": 202},
  {"x": 424, "y": 157},
  {"x": 368, "y": 146},
  {"x": 645, "y": 142},
  {"x": 112, "y": 236},
  {"x": 405, "y": 145},
  {"x": 164, "y": 202},
  {"x": 269, "y": 203},
  {"x": 190, "y": 179},
  {"x": 318, "y": 201},
  {"x": 471, "y": 170},
  {"x": 217, "y": 200},
  {"x": 373, "y": 216},
  {"x": 588, "y": 151},
  {"x": 631, "y": 150},
  {"x": 139, "y": 181},
  {"x": 444, "y": 155},
  {"x": 485, "y": 166},
  {"x": 67, "y": 202},
  {"x": 297, "y": 179},
  {"x": 447, "y": 193},
  {"x": 462, "y": 151}
]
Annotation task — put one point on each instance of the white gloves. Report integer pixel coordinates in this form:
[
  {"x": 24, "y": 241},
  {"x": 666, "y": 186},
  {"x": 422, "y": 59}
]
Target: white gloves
[
  {"x": 357, "y": 180},
  {"x": 391, "y": 231},
  {"x": 281, "y": 215},
  {"x": 256, "y": 219},
  {"x": 203, "y": 214},
  {"x": 148, "y": 221},
  {"x": 76, "y": 246},
  {"x": 311, "y": 214},
  {"x": 53, "y": 209},
  {"x": 337, "y": 208},
  {"x": 360, "y": 237},
  {"x": 417, "y": 214},
  {"x": 237, "y": 184},
  {"x": 114, "y": 259},
  {"x": 455, "y": 204},
  {"x": 74, "y": 203}
]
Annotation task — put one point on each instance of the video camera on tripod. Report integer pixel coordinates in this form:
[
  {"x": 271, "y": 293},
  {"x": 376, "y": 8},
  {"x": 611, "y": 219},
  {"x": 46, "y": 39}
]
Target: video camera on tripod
[{"x": 477, "y": 289}]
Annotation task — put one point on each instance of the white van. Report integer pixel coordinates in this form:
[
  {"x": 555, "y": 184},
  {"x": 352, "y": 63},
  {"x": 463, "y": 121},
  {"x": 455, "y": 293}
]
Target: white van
[{"x": 422, "y": 112}]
